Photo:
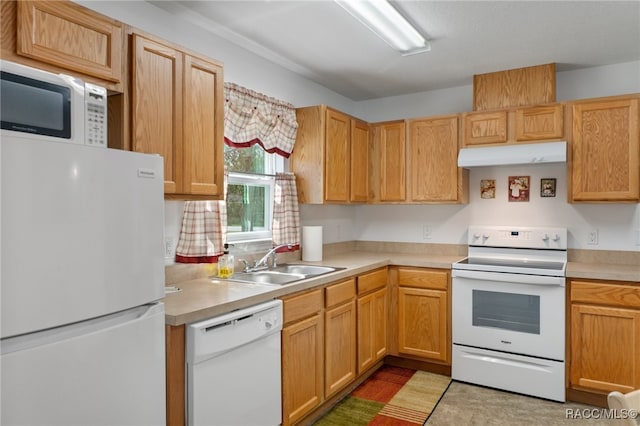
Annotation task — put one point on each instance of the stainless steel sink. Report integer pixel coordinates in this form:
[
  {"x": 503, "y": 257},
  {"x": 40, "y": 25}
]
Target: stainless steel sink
[
  {"x": 283, "y": 274},
  {"x": 308, "y": 270}
]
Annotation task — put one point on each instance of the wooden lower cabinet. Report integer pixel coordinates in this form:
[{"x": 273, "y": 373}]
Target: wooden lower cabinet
[
  {"x": 339, "y": 336},
  {"x": 373, "y": 308},
  {"x": 175, "y": 339},
  {"x": 302, "y": 355},
  {"x": 372, "y": 329},
  {"x": 604, "y": 336},
  {"x": 424, "y": 324}
]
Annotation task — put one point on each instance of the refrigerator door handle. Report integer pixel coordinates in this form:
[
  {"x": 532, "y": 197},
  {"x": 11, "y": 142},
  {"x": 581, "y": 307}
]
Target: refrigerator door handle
[{"x": 70, "y": 331}]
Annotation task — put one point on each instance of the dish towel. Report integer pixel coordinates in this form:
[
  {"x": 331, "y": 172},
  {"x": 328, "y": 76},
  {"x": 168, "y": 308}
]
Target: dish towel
[{"x": 203, "y": 232}]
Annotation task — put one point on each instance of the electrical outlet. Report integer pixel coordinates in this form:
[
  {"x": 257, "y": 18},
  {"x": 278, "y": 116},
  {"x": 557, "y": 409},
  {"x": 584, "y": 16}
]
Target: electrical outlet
[
  {"x": 592, "y": 237},
  {"x": 426, "y": 232},
  {"x": 169, "y": 247}
]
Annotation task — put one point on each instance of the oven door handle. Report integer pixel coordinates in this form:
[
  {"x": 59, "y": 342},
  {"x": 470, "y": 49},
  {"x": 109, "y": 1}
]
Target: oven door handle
[{"x": 509, "y": 277}]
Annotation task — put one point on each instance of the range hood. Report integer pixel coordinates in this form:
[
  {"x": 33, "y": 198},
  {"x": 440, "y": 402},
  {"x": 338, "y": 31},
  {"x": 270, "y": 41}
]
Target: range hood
[{"x": 533, "y": 153}]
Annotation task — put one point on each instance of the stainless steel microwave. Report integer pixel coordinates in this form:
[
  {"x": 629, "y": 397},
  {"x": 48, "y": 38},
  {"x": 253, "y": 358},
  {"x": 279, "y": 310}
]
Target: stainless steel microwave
[{"x": 41, "y": 105}]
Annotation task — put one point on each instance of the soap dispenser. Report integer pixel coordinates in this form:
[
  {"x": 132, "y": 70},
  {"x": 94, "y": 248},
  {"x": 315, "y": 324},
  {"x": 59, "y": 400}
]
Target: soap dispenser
[{"x": 226, "y": 264}]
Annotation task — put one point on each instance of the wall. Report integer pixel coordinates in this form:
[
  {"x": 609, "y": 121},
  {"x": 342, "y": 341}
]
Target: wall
[
  {"x": 448, "y": 223},
  {"x": 616, "y": 224}
]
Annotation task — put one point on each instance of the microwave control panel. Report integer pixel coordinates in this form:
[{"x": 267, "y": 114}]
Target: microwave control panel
[{"x": 95, "y": 101}]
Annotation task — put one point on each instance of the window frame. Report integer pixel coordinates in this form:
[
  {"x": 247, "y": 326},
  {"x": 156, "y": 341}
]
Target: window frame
[{"x": 273, "y": 163}]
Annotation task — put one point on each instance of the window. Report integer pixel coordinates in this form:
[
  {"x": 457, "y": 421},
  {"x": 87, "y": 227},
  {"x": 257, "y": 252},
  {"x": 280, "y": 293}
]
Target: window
[{"x": 250, "y": 192}]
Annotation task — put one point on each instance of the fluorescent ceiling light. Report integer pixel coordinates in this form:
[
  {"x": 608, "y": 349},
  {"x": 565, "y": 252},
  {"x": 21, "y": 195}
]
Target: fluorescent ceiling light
[{"x": 388, "y": 24}]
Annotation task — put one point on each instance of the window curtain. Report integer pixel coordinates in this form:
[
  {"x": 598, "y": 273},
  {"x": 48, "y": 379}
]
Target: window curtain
[
  {"x": 286, "y": 215},
  {"x": 203, "y": 232},
  {"x": 251, "y": 117}
]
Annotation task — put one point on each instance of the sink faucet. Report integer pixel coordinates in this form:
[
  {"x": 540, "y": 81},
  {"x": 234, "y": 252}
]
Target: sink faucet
[{"x": 264, "y": 262}]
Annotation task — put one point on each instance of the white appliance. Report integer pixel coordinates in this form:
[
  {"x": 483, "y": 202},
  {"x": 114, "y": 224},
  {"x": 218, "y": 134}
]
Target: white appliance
[
  {"x": 531, "y": 153},
  {"x": 51, "y": 107},
  {"x": 82, "y": 278},
  {"x": 508, "y": 310},
  {"x": 233, "y": 368}
]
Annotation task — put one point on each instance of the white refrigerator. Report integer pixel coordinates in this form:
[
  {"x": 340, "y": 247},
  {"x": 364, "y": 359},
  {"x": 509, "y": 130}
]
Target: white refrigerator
[{"x": 82, "y": 283}]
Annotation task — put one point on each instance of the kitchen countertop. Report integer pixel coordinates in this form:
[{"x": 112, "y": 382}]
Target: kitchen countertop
[
  {"x": 203, "y": 298},
  {"x": 603, "y": 271},
  {"x": 207, "y": 297}
]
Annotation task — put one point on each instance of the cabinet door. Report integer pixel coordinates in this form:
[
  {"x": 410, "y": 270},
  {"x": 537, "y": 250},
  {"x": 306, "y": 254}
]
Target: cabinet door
[
  {"x": 606, "y": 151},
  {"x": 485, "y": 128},
  {"x": 302, "y": 368},
  {"x": 392, "y": 162},
  {"x": 157, "y": 106},
  {"x": 70, "y": 36},
  {"x": 359, "y": 161},
  {"x": 539, "y": 123},
  {"x": 340, "y": 347},
  {"x": 422, "y": 323},
  {"x": 372, "y": 328},
  {"x": 337, "y": 161},
  {"x": 203, "y": 127},
  {"x": 605, "y": 348},
  {"x": 434, "y": 159}
]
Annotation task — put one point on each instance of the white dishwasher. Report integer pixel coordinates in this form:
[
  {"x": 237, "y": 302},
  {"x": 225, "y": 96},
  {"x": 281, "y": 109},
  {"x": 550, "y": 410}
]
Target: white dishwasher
[{"x": 233, "y": 368}]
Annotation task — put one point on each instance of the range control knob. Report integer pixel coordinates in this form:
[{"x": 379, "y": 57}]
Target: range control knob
[
  {"x": 476, "y": 236},
  {"x": 556, "y": 237},
  {"x": 545, "y": 237}
]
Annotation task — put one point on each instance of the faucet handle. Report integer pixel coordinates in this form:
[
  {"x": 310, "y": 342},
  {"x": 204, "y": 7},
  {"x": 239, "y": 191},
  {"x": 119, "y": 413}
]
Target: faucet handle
[{"x": 246, "y": 264}]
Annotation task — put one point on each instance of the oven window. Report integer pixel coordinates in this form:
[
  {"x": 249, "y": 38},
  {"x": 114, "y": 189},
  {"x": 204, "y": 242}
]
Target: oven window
[{"x": 508, "y": 311}]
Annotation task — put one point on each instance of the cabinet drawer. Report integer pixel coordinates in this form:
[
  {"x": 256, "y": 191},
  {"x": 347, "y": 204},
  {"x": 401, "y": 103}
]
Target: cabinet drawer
[
  {"x": 340, "y": 292},
  {"x": 623, "y": 295},
  {"x": 301, "y": 306},
  {"x": 423, "y": 278},
  {"x": 372, "y": 281}
]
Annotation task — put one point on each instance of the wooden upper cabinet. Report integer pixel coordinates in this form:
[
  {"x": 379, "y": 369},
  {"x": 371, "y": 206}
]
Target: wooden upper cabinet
[
  {"x": 539, "y": 123},
  {"x": 389, "y": 147},
  {"x": 515, "y": 88},
  {"x": 481, "y": 128},
  {"x": 330, "y": 157},
  {"x": 203, "y": 127},
  {"x": 433, "y": 159},
  {"x": 359, "y": 161},
  {"x": 156, "y": 108},
  {"x": 337, "y": 159},
  {"x": 70, "y": 36},
  {"x": 515, "y": 125},
  {"x": 177, "y": 112},
  {"x": 605, "y": 151}
]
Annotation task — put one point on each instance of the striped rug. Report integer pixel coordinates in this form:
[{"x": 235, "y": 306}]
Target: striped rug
[{"x": 392, "y": 396}]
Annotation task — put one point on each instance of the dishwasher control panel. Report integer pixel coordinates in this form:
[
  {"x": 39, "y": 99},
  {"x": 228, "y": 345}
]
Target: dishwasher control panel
[{"x": 213, "y": 336}]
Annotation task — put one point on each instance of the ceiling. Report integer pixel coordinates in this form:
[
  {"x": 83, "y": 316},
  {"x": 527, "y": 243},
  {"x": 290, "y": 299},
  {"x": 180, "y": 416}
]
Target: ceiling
[{"x": 319, "y": 40}]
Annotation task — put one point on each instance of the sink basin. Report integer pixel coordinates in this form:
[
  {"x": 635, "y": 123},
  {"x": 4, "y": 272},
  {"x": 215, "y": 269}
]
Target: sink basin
[
  {"x": 308, "y": 270},
  {"x": 268, "y": 277},
  {"x": 283, "y": 274}
]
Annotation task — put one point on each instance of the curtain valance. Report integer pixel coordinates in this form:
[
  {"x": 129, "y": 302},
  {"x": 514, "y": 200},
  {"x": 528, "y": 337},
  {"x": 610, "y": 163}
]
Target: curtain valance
[{"x": 251, "y": 117}]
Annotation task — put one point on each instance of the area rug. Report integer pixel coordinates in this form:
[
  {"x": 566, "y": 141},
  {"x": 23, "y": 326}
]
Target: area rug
[{"x": 392, "y": 396}]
